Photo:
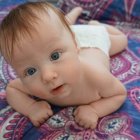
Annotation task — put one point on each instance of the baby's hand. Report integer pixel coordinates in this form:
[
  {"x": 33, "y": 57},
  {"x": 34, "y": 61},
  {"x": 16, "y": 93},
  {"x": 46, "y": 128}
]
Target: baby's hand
[
  {"x": 39, "y": 112},
  {"x": 86, "y": 116}
]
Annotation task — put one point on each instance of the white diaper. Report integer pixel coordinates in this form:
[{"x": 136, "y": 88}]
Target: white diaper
[{"x": 92, "y": 36}]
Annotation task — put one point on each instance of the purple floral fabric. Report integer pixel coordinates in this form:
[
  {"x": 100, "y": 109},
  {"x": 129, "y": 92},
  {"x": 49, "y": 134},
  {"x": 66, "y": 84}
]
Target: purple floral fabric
[
  {"x": 124, "y": 124},
  {"x": 106, "y": 10}
]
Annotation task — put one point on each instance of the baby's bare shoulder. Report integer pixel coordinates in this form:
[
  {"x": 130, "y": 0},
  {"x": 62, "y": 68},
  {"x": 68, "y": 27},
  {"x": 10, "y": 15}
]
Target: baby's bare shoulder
[
  {"x": 95, "y": 72},
  {"x": 101, "y": 79},
  {"x": 94, "y": 57}
]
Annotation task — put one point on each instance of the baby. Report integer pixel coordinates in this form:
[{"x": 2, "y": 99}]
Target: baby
[{"x": 58, "y": 64}]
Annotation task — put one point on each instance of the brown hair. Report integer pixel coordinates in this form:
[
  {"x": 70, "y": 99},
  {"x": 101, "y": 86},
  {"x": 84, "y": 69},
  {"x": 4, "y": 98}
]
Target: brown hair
[{"x": 20, "y": 23}]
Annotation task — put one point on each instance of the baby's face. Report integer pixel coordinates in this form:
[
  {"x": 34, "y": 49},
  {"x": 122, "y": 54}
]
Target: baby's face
[{"x": 48, "y": 64}]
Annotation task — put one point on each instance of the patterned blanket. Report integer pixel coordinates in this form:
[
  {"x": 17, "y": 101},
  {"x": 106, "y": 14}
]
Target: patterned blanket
[{"x": 124, "y": 124}]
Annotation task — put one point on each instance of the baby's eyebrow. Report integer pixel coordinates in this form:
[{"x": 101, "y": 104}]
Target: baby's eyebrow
[{"x": 20, "y": 63}]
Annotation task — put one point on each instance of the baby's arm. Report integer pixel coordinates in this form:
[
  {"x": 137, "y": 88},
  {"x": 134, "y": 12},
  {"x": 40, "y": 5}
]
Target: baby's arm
[
  {"x": 18, "y": 97},
  {"x": 112, "y": 95},
  {"x": 111, "y": 91}
]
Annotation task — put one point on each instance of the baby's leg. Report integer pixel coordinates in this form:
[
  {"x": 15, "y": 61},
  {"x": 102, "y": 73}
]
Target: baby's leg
[
  {"x": 118, "y": 39},
  {"x": 94, "y": 22},
  {"x": 73, "y": 14}
]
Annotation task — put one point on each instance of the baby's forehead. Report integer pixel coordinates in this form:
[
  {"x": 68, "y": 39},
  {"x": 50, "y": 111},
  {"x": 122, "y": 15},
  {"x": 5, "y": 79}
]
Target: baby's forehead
[
  {"x": 50, "y": 20},
  {"x": 52, "y": 17}
]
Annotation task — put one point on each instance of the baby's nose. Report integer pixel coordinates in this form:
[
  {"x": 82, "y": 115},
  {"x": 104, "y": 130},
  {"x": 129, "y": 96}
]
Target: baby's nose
[{"x": 48, "y": 75}]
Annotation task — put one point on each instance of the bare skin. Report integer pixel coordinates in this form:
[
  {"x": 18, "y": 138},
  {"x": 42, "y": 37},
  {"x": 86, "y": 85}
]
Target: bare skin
[{"x": 64, "y": 75}]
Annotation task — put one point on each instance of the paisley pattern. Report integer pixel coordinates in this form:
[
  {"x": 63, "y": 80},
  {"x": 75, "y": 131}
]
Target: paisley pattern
[{"x": 124, "y": 124}]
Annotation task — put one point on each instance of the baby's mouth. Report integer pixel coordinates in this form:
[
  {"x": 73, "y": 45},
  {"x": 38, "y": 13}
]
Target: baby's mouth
[{"x": 58, "y": 90}]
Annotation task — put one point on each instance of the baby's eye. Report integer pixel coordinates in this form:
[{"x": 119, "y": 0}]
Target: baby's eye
[
  {"x": 30, "y": 71},
  {"x": 55, "y": 56}
]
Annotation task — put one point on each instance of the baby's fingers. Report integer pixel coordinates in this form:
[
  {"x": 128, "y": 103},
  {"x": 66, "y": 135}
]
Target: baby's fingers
[
  {"x": 40, "y": 121},
  {"x": 93, "y": 126},
  {"x": 49, "y": 112},
  {"x": 36, "y": 123},
  {"x": 79, "y": 121},
  {"x": 75, "y": 113},
  {"x": 83, "y": 124},
  {"x": 87, "y": 126}
]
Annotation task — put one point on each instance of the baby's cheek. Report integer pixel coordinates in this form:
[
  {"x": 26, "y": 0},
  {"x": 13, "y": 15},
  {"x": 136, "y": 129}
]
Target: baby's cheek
[
  {"x": 33, "y": 87},
  {"x": 74, "y": 73},
  {"x": 36, "y": 91}
]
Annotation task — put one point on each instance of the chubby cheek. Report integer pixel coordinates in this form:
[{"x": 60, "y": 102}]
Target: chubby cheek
[{"x": 36, "y": 89}]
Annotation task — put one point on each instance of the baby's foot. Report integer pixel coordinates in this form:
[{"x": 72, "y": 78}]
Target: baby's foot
[
  {"x": 94, "y": 22},
  {"x": 74, "y": 14}
]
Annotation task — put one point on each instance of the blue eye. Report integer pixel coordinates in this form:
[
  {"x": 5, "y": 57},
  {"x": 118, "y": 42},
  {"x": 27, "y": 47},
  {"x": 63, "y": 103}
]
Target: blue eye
[
  {"x": 30, "y": 71},
  {"x": 55, "y": 56}
]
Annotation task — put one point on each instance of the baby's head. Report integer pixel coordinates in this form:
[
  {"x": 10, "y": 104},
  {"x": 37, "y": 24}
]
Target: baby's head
[
  {"x": 21, "y": 23},
  {"x": 36, "y": 40}
]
